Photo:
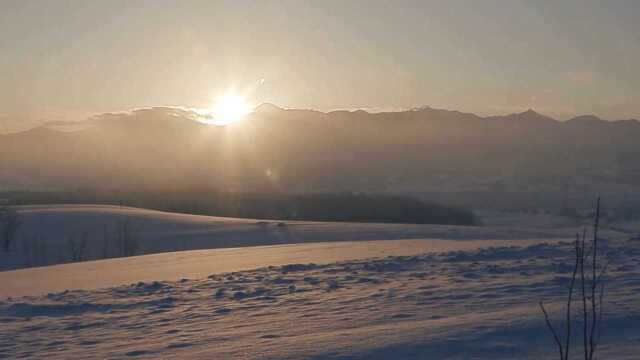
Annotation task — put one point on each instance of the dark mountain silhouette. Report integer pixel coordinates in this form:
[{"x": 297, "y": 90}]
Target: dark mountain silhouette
[{"x": 448, "y": 155}]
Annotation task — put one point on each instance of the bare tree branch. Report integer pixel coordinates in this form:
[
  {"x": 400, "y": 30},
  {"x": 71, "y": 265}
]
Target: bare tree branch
[
  {"x": 585, "y": 316},
  {"x": 571, "y": 286},
  {"x": 594, "y": 283},
  {"x": 592, "y": 305},
  {"x": 601, "y": 303},
  {"x": 553, "y": 331}
]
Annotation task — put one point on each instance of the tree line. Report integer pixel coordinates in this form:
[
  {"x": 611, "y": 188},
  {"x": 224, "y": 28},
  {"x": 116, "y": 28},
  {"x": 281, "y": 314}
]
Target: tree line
[{"x": 318, "y": 207}]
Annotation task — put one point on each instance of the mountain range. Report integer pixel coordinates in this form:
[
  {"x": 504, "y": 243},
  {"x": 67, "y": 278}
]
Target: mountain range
[{"x": 445, "y": 155}]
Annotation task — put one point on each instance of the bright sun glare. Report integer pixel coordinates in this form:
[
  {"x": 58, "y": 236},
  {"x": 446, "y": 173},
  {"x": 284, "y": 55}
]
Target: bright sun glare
[{"x": 229, "y": 109}]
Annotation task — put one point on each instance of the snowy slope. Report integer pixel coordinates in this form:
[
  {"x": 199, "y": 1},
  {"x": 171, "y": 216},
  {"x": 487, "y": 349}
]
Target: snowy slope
[
  {"x": 196, "y": 264},
  {"x": 435, "y": 292},
  {"x": 44, "y": 236},
  {"x": 471, "y": 304}
]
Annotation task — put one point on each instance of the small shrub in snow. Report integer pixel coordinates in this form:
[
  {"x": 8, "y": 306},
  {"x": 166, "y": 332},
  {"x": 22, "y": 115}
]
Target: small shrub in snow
[
  {"x": 76, "y": 246},
  {"x": 9, "y": 224}
]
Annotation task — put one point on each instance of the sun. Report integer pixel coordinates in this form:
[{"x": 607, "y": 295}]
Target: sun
[{"x": 229, "y": 109}]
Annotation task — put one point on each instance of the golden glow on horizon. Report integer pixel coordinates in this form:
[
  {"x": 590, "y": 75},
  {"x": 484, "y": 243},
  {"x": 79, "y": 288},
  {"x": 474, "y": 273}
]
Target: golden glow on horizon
[{"x": 228, "y": 109}]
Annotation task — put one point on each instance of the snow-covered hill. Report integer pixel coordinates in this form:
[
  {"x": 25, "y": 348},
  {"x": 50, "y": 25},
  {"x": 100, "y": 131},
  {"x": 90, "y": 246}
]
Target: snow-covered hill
[
  {"x": 50, "y": 233},
  {"x": 444, "y": 292}
]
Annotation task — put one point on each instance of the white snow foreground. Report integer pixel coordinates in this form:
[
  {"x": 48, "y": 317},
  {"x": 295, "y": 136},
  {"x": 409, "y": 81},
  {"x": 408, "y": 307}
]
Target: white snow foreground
[{"x": 465, "y": 304}]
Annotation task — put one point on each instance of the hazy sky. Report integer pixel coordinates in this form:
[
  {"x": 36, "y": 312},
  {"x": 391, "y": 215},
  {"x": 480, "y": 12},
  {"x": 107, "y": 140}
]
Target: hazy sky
[{"x": 67, "y": 58}]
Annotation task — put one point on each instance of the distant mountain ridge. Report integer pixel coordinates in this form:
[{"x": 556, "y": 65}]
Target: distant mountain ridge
[
  {"x": 529, "y": 116},
  {"x": 423, "y": 151}
]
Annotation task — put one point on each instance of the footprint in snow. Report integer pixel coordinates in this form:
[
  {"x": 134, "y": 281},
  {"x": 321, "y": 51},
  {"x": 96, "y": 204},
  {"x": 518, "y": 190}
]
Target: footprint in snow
[
  {"x": 223, "y": 311},
  {"x": 137, "y": 353}
]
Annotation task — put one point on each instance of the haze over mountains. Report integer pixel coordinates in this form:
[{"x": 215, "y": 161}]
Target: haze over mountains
[{"x": 503, "y": 161}]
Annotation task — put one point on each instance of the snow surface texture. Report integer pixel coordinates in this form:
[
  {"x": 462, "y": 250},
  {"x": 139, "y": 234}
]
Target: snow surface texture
[
  {"x": 200, "y": 263},
  {"x": 471, "y": 304}
]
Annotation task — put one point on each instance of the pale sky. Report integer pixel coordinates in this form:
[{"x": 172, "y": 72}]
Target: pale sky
[{"x": 563, "y": 58}]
